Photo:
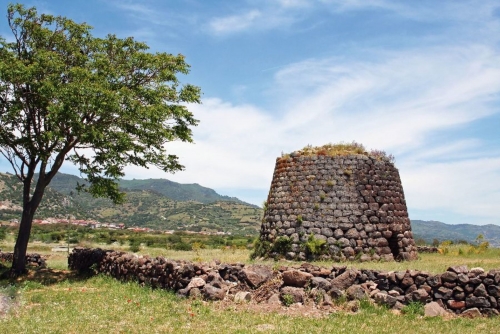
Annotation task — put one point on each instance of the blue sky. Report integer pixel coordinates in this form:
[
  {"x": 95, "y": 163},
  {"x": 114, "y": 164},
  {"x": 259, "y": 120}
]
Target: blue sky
[{"x": 418, "y": 79}]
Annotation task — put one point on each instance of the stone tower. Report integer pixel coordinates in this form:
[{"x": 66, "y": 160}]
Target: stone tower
[{"x": 337, "y": 202}]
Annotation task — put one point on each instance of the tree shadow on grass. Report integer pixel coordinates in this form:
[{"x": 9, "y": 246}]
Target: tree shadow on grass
[{"x": 43, "y": 276}]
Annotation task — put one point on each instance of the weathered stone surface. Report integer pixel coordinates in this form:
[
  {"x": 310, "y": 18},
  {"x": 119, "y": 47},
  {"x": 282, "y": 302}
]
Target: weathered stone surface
[
  {"x": 212, "y": 293},
  {"x": 355, "y": 292},
  {"x": 321, "y": 283},
  {"x": 196, "y": 282},
  {"x": 420, "y": 295},
  {"x": 344, "y": 280},
  {"x": 274, "y": 299},
  {"x": 449, "y": 276},
  {"x": 296, "y": 278},
  {"x": 351, "y": 204},
  {"x": 385, "y": 299},
  {"x": 433, "y": 309},
  {"x": 242, "y": 296},
  {"x": 256, "y": 275},
  {"x": 455, "y": 304},
  {"x": 471, "y": 313},
  {"x": 473, "y": 301},
  {"x": 459, "y": 269},
  {"x": 297, "y": 294}
]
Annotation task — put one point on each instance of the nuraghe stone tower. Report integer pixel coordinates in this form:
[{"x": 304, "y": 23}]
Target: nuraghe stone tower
[{"x": 337, "y": 202}]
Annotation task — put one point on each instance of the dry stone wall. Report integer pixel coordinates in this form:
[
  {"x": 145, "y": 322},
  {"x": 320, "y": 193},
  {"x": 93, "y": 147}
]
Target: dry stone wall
[
  {"x": 32, "y": 259},
  {"x": 458, "y": 290},
  {"x": 354, "y": 203}
]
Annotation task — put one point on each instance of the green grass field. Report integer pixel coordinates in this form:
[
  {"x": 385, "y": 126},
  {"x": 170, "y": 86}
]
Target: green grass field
[{"x": 56, "y": 301}]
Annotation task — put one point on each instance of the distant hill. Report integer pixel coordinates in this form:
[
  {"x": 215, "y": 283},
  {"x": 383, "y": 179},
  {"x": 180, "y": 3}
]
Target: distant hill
[
  {"x": 177, "y": 191},
  {"x": 146, "y": 206},
  {"x": 430, "y": 230},
  {"x": 66, "y": 183}
]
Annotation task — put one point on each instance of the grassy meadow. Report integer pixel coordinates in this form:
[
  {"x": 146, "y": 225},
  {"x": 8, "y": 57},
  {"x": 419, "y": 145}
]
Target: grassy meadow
[{"x": 57, "y": 301}]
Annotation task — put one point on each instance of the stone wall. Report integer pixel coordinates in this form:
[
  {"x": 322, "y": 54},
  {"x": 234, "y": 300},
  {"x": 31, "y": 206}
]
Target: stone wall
[
  {"x": 458, "y": 290},
  {"x": 32, "y": 259},
  {"x": 354, "y": 203}
]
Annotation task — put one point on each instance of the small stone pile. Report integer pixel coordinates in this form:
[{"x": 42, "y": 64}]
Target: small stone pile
[
  {"x": 33, "y": 259},
  {"x": 457, "y": 290}
]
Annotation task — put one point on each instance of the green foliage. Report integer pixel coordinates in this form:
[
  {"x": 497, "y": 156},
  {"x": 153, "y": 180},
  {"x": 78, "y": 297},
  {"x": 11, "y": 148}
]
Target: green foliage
[
  {"x": 287, "y": 299},
  {"x": 413, "y": 309},
  {"x": 314, "y": 246},
  {"x": 299, "y": 220},
  {"x": 282, "y": 245},
  {"x": 135, "y": 245},
  {"x": 64, "y": 91},
  {"x": 261, "y": 248}
]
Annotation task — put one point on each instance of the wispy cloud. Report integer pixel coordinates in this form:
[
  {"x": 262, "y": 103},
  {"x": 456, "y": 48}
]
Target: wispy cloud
[{"x": 397, "y": 103}]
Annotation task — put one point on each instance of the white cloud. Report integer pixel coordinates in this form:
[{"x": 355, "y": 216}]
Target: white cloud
[
  {"x": 235, "y": 23},
  {"x": 395, "y": 103},
  {"x": 469, "y": 187}
]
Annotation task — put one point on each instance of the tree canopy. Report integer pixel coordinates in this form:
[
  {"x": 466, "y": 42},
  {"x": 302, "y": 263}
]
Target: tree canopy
[{"x": 101, "y": 103}]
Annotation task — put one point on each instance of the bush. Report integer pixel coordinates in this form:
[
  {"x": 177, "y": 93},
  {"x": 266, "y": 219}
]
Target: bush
[
  {"x": 413, "y": 309},
  {"x": 282, "y": 245},
  {"x": 260, "y": 249},
  {"x": 315, "y": 246}
]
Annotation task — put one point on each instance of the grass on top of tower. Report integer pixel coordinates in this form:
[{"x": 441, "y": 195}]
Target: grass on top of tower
[{"x": 342, "y": 149}]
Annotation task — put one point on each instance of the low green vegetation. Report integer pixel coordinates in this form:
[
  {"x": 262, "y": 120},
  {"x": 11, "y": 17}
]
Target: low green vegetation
[
  {"x": 340, "y": 149},
  {"x": 55, "y": 301}
]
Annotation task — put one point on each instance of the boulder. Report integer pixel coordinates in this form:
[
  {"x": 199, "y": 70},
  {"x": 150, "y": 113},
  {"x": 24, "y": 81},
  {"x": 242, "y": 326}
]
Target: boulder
[
  {"x": 385, "y": 299},
  {"x": 210, "y": 292},
  {"x": 296, "y": 278},
  {"x": 321, "y": 283},
  {"x": 242, "y": 296},
  {"x": 344, "y": 280},
  {"x": 355, "y": 292},
  {"x": 255, "y": 275},
  {"x": 471, "y": 313},
  {"x": 433, "y": 309},
  {"x": 297, "y": 294}
]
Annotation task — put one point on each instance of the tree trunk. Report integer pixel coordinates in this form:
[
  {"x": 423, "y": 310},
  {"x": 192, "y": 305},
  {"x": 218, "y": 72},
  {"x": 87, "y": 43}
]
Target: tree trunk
[
  {"x": 23, "y": 236},
  {"x": 19, "y": 261}
]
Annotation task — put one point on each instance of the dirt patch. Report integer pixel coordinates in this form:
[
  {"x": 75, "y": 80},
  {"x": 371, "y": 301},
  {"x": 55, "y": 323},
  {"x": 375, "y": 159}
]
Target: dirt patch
[
  {"x": 309, "y": 310},
  {"x": 7, "y": 302}
]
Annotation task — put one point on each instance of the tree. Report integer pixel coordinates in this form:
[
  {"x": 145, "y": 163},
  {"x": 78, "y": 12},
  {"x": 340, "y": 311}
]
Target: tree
[{"x": 101, "y": 103}]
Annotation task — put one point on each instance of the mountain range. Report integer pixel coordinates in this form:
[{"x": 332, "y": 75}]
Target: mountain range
[
  {"x": 154, "y": 203},
  {"x": 166, "y": 205}
]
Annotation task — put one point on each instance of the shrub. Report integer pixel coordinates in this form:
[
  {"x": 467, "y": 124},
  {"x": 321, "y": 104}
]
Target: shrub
[
  {"x": 287, "y": 299},
  {"x": 282, "y": 245},
  {"x": 315, "y": 246},
  {"x": 413, "y": 309},
  {"x": 261, "y": 248},
  {"x": 299, "y": 219}
]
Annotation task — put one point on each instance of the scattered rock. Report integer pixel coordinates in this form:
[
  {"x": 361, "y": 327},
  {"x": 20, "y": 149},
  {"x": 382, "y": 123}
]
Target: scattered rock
[
  {"x": 355, "y": 292},
  {"x": 212, "y": 293},
  {"x": 433, "y": 309},
  {"x": 256, "y": 275},
  {"x": 296, "y": 278},
  {"x": 385, "y": 299},
  {"x": 297, "y": 294},
  {"x": 471, "y": 313},
  {"x": 344, "y": 280},
  {"x": 242, "y": 296}
]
